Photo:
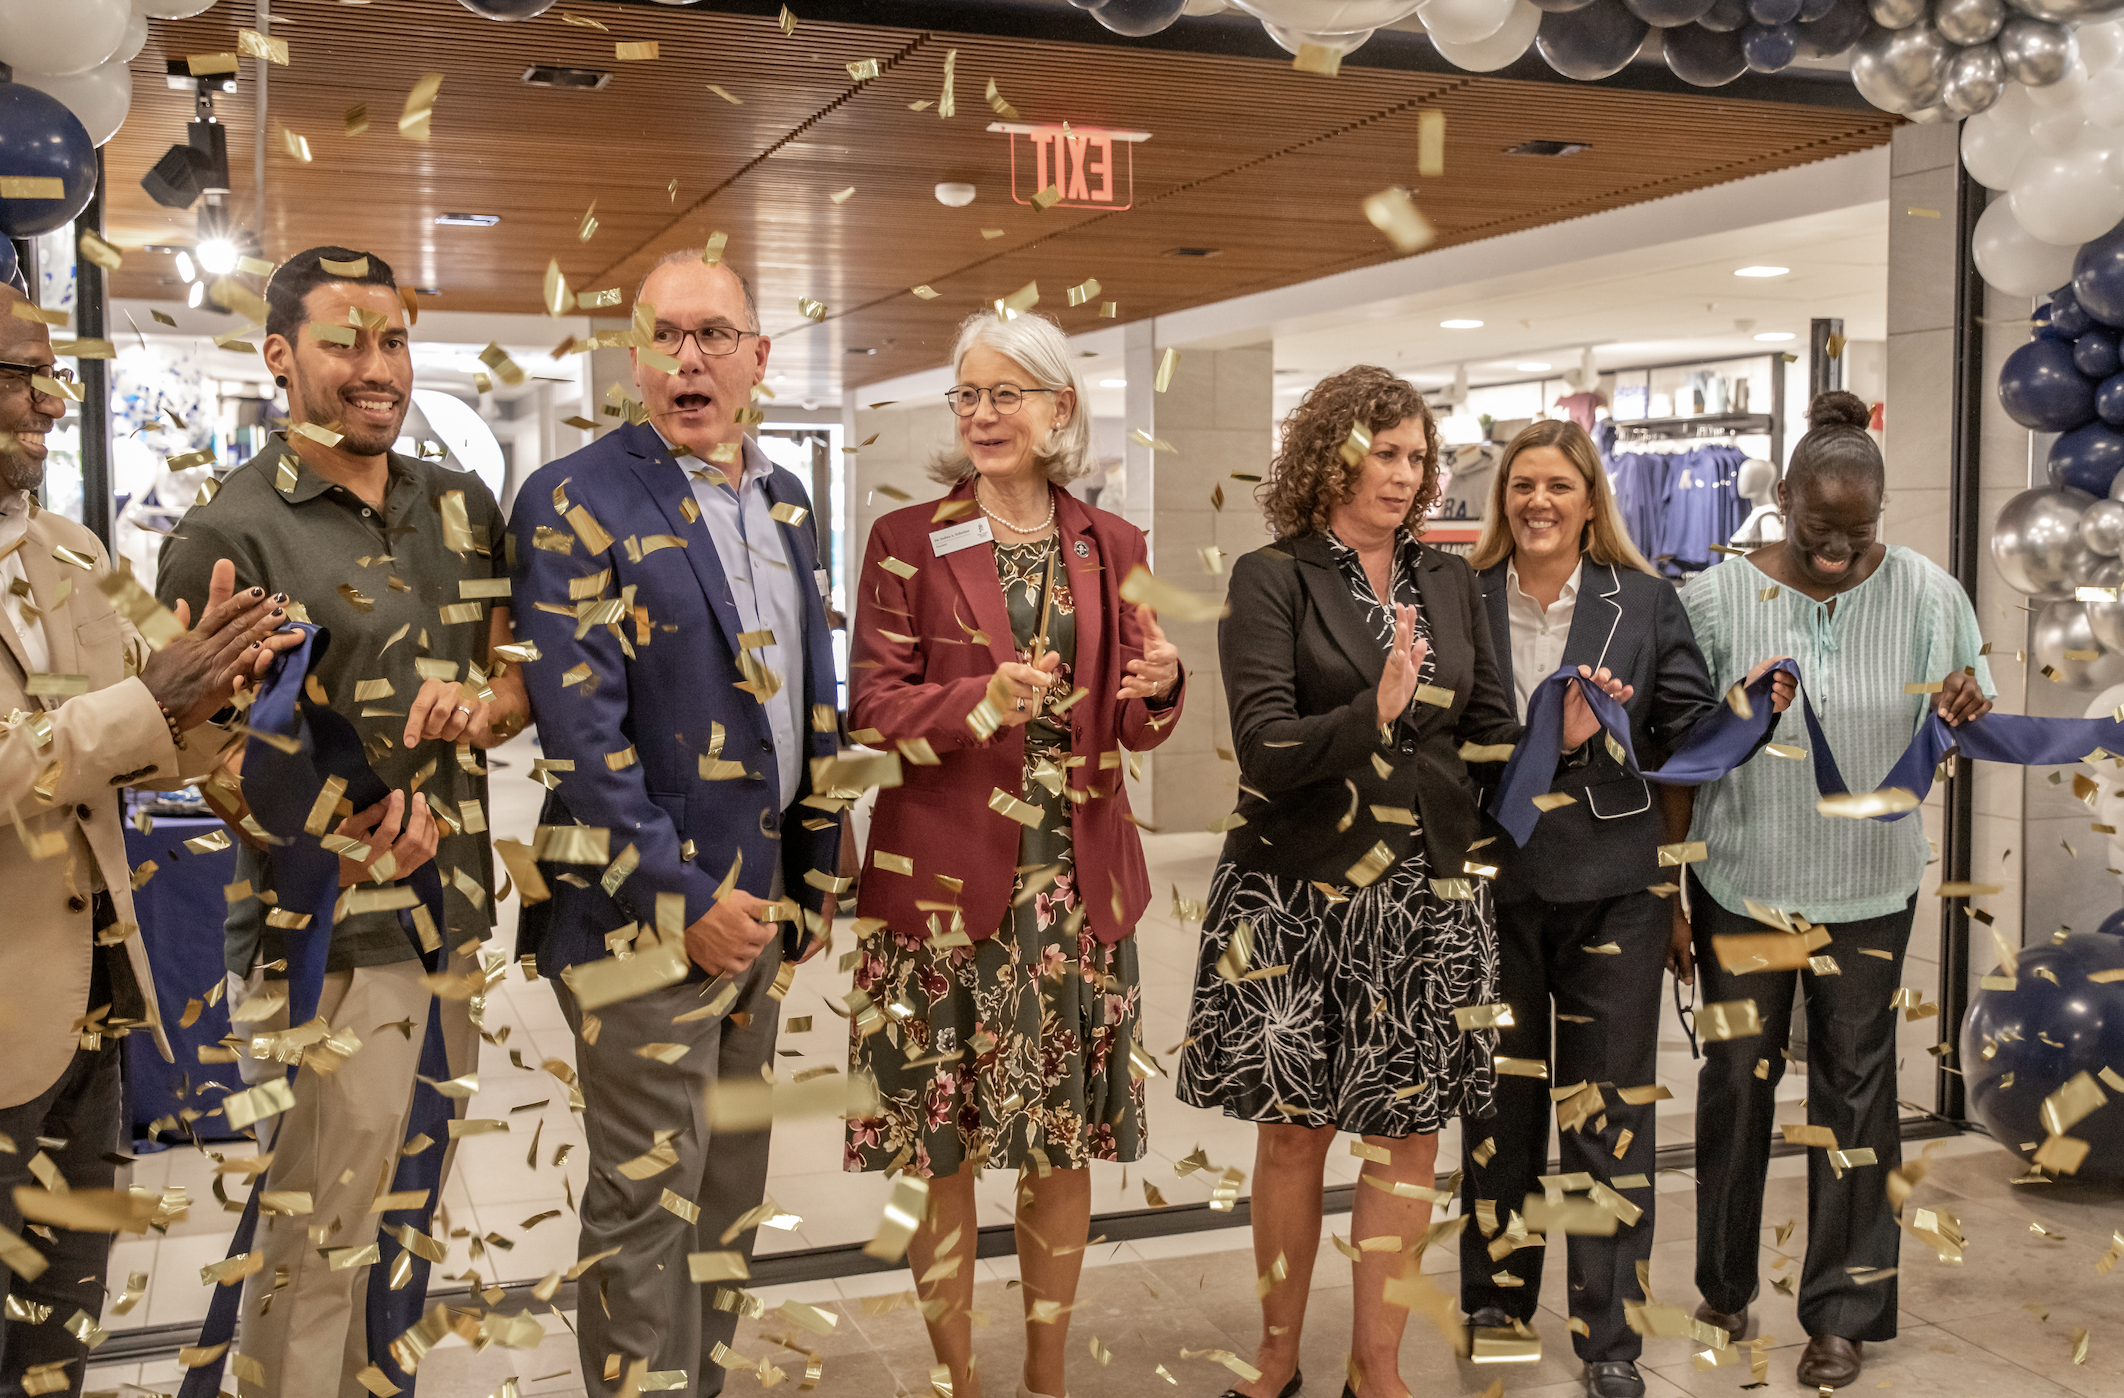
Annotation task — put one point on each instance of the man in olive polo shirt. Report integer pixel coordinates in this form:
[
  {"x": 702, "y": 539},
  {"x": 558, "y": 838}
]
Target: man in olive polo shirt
[{"x": 403, "y": 562}]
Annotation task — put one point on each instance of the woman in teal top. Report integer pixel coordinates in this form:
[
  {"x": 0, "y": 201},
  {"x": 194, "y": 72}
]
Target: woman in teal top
[{"x": 1864, "y": 620}]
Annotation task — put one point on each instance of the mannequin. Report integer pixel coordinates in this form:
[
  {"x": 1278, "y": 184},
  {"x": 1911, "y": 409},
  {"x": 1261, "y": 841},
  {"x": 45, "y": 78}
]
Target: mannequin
[{"x": 1758, "y": 482}]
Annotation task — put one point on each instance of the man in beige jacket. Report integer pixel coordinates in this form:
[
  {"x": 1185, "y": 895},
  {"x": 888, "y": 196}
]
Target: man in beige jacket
[{"x": 86, "y": 706}]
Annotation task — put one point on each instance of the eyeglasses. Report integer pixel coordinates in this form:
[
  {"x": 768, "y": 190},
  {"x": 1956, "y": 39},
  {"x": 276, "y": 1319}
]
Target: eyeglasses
[
  {"x": 717, "y": 340},
  {"x": 965, "y": 400},
  {"x": 29, "y": 371}
]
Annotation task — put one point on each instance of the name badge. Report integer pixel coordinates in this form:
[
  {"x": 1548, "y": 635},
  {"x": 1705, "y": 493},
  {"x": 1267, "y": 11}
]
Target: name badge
[{"x": 960, "y": 536}]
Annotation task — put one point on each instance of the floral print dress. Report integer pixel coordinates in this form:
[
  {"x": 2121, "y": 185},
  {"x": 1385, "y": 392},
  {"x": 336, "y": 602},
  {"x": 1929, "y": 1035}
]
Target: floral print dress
[{"x": 1014, "y": 1049}]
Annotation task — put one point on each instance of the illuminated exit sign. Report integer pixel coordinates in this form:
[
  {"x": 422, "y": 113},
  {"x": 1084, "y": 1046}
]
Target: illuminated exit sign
[{"x": 1089, "y": 168}]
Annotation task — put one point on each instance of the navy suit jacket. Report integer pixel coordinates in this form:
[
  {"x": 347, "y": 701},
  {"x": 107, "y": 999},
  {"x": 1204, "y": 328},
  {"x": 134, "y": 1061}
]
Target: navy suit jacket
[
  {"x": 665, "y": 702},
  {"x": 1607, "y": 842}
]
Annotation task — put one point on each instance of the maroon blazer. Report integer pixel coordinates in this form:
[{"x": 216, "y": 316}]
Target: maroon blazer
[{"x": 939, "y": 815}]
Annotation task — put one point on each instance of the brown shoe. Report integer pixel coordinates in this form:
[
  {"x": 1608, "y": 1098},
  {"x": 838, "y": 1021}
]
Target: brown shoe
[
  {"x": 1829, "y": 1362},
  {"x": 1735, "y": 1325}
]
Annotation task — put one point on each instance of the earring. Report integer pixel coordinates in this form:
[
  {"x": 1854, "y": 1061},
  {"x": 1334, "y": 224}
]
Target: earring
[{"x": 281, "y": 380}]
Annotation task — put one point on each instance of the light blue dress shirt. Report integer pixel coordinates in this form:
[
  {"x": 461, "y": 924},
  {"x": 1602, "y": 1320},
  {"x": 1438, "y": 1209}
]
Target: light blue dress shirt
[{"x": 767, "y": 591}]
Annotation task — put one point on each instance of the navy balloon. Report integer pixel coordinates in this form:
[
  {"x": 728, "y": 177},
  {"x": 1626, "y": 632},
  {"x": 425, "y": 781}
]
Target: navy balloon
[
  {"x": 2041, "y": 388},
  {"x": 2040, "y": 1035},
  {"x": 2113, "y": 925},
  {"x": 1593, "y": 43},
  {"x": 1770, "y": 47},
  {"x": 2098, "y": 277},
  {"x": 1703, "y": 57},
  {"x": 41, "y": 139},
  {"x": 508, "y": 9},
  {"x": 1811, "y": 10},
  {"x": 1137, "y": 18},
  {"x": 2095, "y": 355},
  {"x": 1844, "y": 25},
  {"x": 2067, "y": 316},
  {"x": 2109, "y": 401},
  {"x": 1725, "y": 16},
  {"x": 1773, "y": 11},
  {"x": 2087, "y": 458},
  {"x": 1665, "y": 14}
]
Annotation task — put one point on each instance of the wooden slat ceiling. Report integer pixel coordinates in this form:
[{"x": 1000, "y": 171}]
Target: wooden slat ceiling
[{"x": 1247, "y": 156}]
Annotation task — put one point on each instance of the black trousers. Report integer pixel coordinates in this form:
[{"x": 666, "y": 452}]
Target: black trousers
[
  {"x": 1850, "y": 1090},
  {"x": 1611, "y": 1038},
  {"x": 82, "y": 1109}
]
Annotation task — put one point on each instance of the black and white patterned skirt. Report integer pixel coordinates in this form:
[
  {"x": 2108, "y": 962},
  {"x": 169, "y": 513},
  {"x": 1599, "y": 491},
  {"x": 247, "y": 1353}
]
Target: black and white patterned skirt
[{"x": 1358, "y": 1033}]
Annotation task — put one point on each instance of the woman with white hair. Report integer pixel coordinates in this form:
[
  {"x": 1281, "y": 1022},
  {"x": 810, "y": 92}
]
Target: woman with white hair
[{"x": 1004, "y": 876}]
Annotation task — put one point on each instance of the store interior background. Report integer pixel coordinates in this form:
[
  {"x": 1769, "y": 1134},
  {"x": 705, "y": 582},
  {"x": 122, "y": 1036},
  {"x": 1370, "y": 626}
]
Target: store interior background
[{"x": 1639, "y": 272}]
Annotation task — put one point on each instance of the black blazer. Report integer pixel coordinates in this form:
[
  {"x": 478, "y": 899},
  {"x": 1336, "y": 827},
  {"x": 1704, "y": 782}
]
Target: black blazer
[
  {"x": 1301, "y": 674},
  {"x": 1607, "y": 843}
]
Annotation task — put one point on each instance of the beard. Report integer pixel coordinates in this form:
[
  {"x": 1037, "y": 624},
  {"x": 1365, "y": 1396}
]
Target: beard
[
  {"x": 18, "y": 469},
  {"x": 326, "y": 410}
]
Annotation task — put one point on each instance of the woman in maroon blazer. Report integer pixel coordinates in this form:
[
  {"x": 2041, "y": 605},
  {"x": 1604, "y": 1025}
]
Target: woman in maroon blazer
[{"x": 993, "y": 649}]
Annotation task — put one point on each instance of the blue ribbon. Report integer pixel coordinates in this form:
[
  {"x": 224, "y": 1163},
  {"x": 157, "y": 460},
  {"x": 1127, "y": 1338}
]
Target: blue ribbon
[
  {"x": 281, "y": 788},
  {"x": 1722, "y": 740}
]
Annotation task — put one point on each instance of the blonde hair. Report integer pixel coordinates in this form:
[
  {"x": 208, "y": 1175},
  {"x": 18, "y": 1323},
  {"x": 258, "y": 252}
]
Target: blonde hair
[
  {"x": 1605, "y": 541},
  {"x": 1038, "y": 346}
]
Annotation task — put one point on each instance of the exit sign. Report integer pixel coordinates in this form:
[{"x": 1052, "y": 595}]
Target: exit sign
[{"x": 1090, "y": 168}]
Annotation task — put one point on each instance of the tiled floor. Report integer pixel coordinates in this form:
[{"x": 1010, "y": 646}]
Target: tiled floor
[{"x": 501, "y": 1182}]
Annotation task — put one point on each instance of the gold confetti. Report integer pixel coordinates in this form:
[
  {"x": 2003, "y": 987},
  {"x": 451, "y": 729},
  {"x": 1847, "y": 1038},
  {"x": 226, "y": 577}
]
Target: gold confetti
[
  {"x": 1729, "y": 1019},
  {"x": 810, "y": 309},
  {"x": 1318, "y": 58},
  {"x": 413, "y": 122},
  {"x": 903, "y": 1213},
  {"x": 640, "y": 51},
  {"x": 1002, "y": 108},
  {"x": 1863, "y": 805},
  {"x": 1395, "y": 214}
]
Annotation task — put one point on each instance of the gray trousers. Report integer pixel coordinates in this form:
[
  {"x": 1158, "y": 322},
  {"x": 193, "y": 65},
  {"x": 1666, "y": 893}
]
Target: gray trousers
[{"x": 642, "y": 1303}]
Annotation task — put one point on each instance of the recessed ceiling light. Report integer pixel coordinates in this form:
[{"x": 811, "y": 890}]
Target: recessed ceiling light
[
  {"x": 1532, "y": 366},
  {"x": 1776, "y": 336},
  {"x": 1760, "y": 271},
  {"x": 468, "y": 220},
  {"x": 1460, "y": 325},
  {"x": 1113, "y": 383}
]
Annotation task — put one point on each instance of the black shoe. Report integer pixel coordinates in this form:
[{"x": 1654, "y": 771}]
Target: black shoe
[
  {"x": 1735, "y": 1325},
  {"x": 1614, "y": 1379},
  {"x": 1289, "y": 1390},
  {"x": 1490, "y": 1318}
]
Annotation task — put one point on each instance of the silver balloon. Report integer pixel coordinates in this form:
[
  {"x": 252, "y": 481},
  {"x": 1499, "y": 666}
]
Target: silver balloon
[
  {"x": 1896, "y": 14},
  {"x": 2102, "y": 527},
  {"x": 1975, "y": 80},
  {"x": 2036, "y": 543},
  {"x": 2036, "y": 54},
  {"x": 1902, "y": 70},
  {"x": 2068, "y": 11},
  {"x": 1969, "y": 21},
  {"x": 2106, "y": 619},
  {"x": 2062, "y": 627}
]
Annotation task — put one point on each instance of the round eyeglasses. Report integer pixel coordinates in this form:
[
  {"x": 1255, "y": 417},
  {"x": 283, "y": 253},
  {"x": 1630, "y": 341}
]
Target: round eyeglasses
[{"x": 965, "y": 400}]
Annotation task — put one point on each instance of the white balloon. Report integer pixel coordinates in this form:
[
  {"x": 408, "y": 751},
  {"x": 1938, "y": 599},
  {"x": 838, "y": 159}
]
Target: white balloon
[
  {"x": 1327, "y": 16},
  {"x": 136, "y": 37},
  {"x": 2012, "y": 259},
  {"x": 60, "y": 36},
  {"x": 2101, "y": 45},
  {"x": 1992, "y": 145},
  {"x": 2065, "y": 198},
  {"x": 172, "y": 9},
  {"x": 2055, "y": 131},
  {"x": 1501, "y": 49},
  {"x": 1464, "y": 21},
  {"x": 2103, "y": 101},
  {"x": 100, "y": 97}
]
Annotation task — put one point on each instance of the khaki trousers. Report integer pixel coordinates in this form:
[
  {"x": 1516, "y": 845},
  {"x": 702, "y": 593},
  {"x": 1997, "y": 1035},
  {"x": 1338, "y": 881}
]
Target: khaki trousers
[{"x": 338, "y": 1142}]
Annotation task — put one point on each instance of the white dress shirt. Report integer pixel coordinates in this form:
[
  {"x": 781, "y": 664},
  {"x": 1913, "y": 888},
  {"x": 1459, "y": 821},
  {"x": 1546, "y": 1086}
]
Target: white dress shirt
[
  {"x": 1538, "y": 633},
  {"x": 14, "y": 523},
  {"x": 767, "y": 591}
]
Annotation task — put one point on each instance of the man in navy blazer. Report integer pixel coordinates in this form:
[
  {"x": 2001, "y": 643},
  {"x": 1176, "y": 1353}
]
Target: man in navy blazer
[{"x": 669, "y": 575}]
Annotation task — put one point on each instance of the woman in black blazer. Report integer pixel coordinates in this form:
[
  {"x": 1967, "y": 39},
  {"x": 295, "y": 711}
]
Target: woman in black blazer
[
  {"x": 1350, "y": 915},
  {"x": 1580, "y": 916}
]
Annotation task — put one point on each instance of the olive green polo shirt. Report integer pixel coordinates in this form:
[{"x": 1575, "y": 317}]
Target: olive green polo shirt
[{"x": 390, "y": 588}]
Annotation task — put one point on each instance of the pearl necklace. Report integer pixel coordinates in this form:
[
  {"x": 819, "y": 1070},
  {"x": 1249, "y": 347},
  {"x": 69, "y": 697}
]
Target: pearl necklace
[{"x": 1018, "y": 528}]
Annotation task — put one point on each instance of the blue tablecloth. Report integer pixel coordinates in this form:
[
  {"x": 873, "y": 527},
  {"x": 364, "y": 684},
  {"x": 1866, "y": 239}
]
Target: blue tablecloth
[{"x": 180, "y": 912}]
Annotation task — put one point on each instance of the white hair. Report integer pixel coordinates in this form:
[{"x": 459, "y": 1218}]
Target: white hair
[{"x": 1037, "y": 345}]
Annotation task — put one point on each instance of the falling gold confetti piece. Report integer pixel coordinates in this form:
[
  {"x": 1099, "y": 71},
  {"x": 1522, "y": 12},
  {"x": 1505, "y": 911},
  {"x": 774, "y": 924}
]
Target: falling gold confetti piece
[
  {"x": 1395, "y": 214},
  {"x": 414, "y": 121},
  {"x": 1318, "y": 58},
  {"x": 1863, "y": 805},
  {"x": 812, "y": 310}
]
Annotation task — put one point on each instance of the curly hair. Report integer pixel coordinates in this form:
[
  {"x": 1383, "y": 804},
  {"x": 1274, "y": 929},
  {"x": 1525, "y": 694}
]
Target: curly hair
[{"x": 1309, "y": 477}]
